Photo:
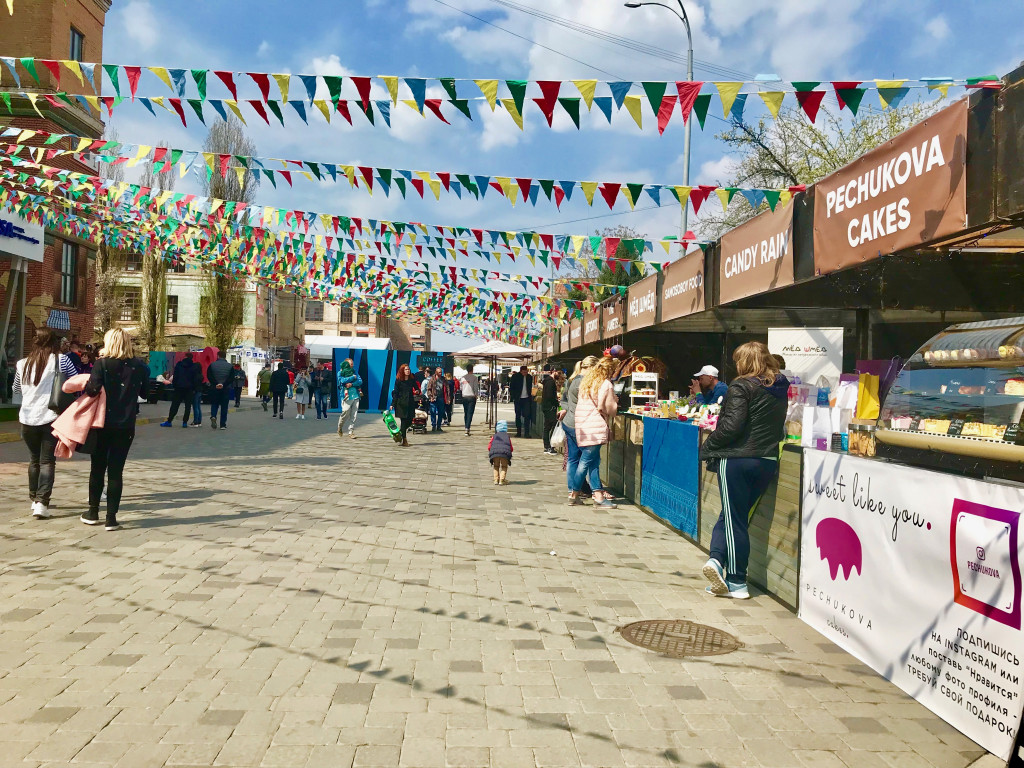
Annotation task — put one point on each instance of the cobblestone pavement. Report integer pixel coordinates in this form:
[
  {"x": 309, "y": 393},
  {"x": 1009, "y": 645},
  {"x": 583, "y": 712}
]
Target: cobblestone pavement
[{"x": 283, "y": 597}]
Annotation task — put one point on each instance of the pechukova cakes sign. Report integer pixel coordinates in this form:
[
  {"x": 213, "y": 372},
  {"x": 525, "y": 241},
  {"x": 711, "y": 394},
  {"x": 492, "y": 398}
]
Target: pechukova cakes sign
[
  {"x": 918, "y": 575},
  {"x": 910, "y": 190}
]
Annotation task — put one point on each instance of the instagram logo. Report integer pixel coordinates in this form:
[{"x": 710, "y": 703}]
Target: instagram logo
[{"x": 983, "y": 555}]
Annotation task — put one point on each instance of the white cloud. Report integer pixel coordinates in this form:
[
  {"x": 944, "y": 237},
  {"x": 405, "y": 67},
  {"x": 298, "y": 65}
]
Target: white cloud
[
  {"x": 938, "y": 28},
  {"x": 500, "y": 129},
  {"x": 264, "y": 49},
  {"x": 716, "y": 171},
  {"x": 140, "y": 23}
]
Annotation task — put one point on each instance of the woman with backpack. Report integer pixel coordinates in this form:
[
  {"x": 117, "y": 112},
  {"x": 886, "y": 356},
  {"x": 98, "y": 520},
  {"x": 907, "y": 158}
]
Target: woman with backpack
[{"x": 34, "y": 379}]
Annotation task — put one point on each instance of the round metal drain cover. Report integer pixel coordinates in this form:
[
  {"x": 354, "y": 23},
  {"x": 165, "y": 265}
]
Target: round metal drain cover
[{"x": 680, "y": 638}]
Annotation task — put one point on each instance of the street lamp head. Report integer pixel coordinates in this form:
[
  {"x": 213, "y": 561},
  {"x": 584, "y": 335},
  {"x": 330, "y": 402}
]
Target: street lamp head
[{"x": 633, "y": 4}]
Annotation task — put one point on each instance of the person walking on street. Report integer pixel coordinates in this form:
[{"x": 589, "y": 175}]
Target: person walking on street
[
  {"x": 348, "y": 396},
  {"x": 220, "y": 374},
  {"x": 320, "y": 380},
  {"x": 745, "y": 447},
  {"x": 183, "y": 392},
  {"x": 435, "y": 399},
  {"x": 197, "y": 394},
  {"x": 570, "y": 397},
  {"x": 239, "y": 381},
  {"x": 291, "y": 383},
  {"x": 33, "y": 380},
  {"x": 263, "y": 385},
  {"x": 403, "y": 400},
  {"x": 449, "y": 398},
  {"x": 549, "y": 407},
  {"x": 278, "y": 389},
  {"x": 499, "y": 452},
  {"x": 596, "y": 405},
  {"x": 122, "y": 377},
  {"x": 303, "y": 388},
  {"x": 470, "y": 385},
  {"x": 521, "y": 391}
]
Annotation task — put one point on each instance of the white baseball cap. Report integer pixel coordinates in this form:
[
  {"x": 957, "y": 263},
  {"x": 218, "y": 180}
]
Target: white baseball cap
[{"x": 707, "y": 370}]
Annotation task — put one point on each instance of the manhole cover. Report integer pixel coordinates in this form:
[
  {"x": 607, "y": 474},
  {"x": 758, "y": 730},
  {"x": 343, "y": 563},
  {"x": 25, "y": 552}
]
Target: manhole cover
[{"x": 680, "y": 638}]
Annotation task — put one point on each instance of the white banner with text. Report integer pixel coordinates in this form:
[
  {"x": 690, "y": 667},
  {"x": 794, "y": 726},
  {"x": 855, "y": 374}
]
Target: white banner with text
[{"x": 917, "y": 574}]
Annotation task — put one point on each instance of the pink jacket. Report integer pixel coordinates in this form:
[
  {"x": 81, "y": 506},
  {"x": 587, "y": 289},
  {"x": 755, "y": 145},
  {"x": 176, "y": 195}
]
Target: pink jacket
[
  {"x": 592, "y": 415},
  {"x": 72, "y": 427}
]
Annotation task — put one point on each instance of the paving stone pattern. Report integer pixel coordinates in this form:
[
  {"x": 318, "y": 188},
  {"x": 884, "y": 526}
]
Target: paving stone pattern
[{"x": 283, "y": 597}]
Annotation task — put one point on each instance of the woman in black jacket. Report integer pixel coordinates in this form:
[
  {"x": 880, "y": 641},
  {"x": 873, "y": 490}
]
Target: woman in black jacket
[
  {"x": 403, "y": 400},
  {"x": 745, "y": 446},
  {"x": 122, "y": 377}
]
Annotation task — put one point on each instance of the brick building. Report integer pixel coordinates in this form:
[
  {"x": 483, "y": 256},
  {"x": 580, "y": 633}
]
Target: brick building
[{"x": 59, "y": 289}]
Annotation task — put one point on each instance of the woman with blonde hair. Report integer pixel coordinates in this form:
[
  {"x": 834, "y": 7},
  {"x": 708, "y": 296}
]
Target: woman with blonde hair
[
  {"x": 596, "y": 404},
  {"x": 570, "y": 397},
  {"x": 745, "y": 448},
  {"x": 122, "y": 377}
]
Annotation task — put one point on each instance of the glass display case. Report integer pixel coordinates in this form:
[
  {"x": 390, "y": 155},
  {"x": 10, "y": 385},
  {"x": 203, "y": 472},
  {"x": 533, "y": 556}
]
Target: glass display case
[{"x": 958, "y": 402}]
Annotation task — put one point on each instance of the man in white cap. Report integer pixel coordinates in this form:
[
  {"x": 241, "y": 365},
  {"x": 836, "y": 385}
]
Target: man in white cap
[{"x": 706, "y": 386}]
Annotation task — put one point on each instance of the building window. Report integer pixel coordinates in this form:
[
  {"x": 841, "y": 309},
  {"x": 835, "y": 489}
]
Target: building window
[
  {"x": 132, "y": 307},
  {"x": 345, "y": 333},
  {"x": 133, "y": 262},
  {"x": 346, "y": 314},
  {"x": 68, "y": 290},
  {"x": 77, "y": 52},
  {"x": 310, "y": 332},
  {"x": 362, "y": 317},
  {"x": 172, "y": 309},
  {"x": 314, "y": 311},
  {"x": 176, "y": 266}
]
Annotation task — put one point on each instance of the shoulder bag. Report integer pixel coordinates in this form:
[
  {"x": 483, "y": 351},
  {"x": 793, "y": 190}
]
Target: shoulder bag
[{"x": 60, "y": 400}]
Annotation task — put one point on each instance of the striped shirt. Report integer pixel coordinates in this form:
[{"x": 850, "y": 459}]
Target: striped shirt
[{"x": 35, "y": 398}]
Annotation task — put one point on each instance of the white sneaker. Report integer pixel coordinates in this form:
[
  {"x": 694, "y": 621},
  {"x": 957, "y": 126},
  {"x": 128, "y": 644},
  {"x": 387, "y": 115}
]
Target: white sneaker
[
  {"x": 298, "y": 415},
  {"x": 303, "y": 417},
  {"x": 39, "y": 510}
]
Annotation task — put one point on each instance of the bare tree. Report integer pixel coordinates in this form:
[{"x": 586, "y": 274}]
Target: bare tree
[
  {"x": 790, "y": 151},
  {"x": 223, "y": 296},
  {"x": 110, "y": 262},
  {"x": 153, "y": 312},
  {"x": 619, "y": 272}
]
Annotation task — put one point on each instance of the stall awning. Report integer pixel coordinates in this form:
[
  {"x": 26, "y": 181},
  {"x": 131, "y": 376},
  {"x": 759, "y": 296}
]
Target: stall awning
[
  {"x": 324, "y": 346},
  {"x": 59, "y": 320},
  {"x": 498, "y": 349}
]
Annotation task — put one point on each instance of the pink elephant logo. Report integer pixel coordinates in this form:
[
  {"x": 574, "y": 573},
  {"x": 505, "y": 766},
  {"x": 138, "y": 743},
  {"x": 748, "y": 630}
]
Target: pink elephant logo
[{"x": 839, "y": 544}]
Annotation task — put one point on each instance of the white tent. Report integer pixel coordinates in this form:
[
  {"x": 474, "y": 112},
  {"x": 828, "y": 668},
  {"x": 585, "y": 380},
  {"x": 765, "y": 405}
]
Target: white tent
[
  {"x": 498, "y": 349},
  {"x": 322, "y": 347}
]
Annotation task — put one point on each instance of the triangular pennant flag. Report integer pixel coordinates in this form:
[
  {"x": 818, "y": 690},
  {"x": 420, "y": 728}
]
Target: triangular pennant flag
[
  {"x": 655, "y": 93},
  {"x": 309, "y": 81},
  {"x": 727, "y": 92},
  {"x": 29, "y": 65},
  {"x": 300, "y": 107},
  {"x": 609, "y": 192},
  {"x": 688, "y": 92},
  {"x": 275, "y": 107},
  {"x": 463, "y": 106},
  {"x": 133, "y": 74},
  {"x": 434, "y": 105},
  {"x": 418, "y": 87},
  {"x": 725, "y": 196},
  {"x": 891, "y": 97},
  {"x": 604, "y": 103},
  {"x": 772, "y": 100},
  {"x": 632, "y": 193},
  {"x": 634, "y": 105},
  {"x": 322, "y": 106},
  {"x": 586, "y": 89},
  {"x": 940, "y": 84},
  {"x": 668, "y": 104},
  {"x": 11, "y": 65},
  {"x": 572, "y": 107},
  {"x": 589, "y": 188},
  {"x": 448, "y": 83},
  {"x": 772, "y": 196},
  {"x": 263, "y": 82},
  {"x": 199, "y": 76},
  {"x": 518, "y": 90},
  {"x": 810, "y": 101},
  {"x": 736, "y": 113},
  {"x": 512, "y": 109},
  {"x": 217, "y": 105},
  {"x": 489, "y": 88},
  {"x": 619, "y": 90},
  {"x": 257, "y": 107},
  {"x": 753, "y": 196},
  {"x": 391, "y": 83},
  {"x": 178, "y": 76},
  {"x": 333, "y": 83}
]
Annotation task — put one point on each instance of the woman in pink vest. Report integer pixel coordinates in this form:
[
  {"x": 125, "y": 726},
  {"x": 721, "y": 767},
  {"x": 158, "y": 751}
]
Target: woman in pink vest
[{"x": 597, "y": 404}]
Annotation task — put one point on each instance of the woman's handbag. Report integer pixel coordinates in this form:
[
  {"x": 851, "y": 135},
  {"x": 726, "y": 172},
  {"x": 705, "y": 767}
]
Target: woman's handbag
[{"x": 60, "y": 400}]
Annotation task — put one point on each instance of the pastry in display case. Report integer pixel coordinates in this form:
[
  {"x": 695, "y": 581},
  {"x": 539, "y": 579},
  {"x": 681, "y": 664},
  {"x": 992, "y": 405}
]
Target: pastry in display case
[{"x": 958, "y": 402}]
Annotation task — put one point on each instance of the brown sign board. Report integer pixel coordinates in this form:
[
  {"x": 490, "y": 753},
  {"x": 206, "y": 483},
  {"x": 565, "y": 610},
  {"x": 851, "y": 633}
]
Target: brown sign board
[
  {"x": 757, "y": 256},
  {"x": 642, "y": 303},
  {"x": 908, "y": 191},
  {"x": 612, "y": 316},
  {"x": 682, "y": 291},
  {"x": 576, "y": 333},
  {"x": 551, "y": 347},
  {"x": 592, "y": 326}
]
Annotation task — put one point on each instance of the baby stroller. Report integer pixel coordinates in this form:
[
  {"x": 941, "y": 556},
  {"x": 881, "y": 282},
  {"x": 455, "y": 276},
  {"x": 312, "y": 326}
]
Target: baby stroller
[{"x": 419, "y": 422}]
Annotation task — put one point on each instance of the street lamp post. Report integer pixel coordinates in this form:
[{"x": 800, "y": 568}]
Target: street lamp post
[{"x": 681, "y": 14}]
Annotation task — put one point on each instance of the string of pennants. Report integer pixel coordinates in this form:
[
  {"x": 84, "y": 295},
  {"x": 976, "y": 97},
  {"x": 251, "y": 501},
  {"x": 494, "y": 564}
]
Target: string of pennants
[
  {"x": 25, "y": 142},
  {"x": 438, "y": 240},
  {"x": 324, "y": 93}
]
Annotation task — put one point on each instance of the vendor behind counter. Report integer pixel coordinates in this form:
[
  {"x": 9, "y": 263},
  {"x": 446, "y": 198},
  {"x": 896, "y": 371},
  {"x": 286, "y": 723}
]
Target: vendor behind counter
[{"x": 707, "y": 387}]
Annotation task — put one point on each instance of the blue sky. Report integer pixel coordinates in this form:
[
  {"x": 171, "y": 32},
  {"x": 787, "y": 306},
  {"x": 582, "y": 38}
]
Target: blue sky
[{"x": 733, "y": 39}]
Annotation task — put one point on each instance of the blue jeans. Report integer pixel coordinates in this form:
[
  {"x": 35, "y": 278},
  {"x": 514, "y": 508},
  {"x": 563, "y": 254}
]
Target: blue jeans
[
  {"x": 589, "y": 468},
  {"x": 197, "y": 406},
  {"x": 436, "y": 413},
  {"x": 468, "y": 409},
  {"x": 572, "y": 456},
  {"x": 321, "y": 399},
  {"x": 219, "y": 399}
]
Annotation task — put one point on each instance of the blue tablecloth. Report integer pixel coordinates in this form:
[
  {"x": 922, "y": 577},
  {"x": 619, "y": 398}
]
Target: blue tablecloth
[{"x": 671, "y": 472}]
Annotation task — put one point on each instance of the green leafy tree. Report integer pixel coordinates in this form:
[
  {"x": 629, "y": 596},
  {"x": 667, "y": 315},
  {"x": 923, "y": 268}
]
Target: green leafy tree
[
  {"x": 622, "y": 274},
  {"x": 222, "y": 297}
]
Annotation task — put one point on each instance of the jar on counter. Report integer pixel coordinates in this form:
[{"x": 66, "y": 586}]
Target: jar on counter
[{"x": 862, "y": 440}]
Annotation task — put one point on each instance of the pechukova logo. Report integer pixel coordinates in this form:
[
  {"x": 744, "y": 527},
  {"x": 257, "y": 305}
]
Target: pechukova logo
[
  {"x": 839, "y": 545},
  {"x": 984, "y": 561}
]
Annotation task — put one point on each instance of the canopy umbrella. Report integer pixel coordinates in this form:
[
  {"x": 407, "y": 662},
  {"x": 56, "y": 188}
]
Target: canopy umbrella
[{"x": 495, "y": 351}]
